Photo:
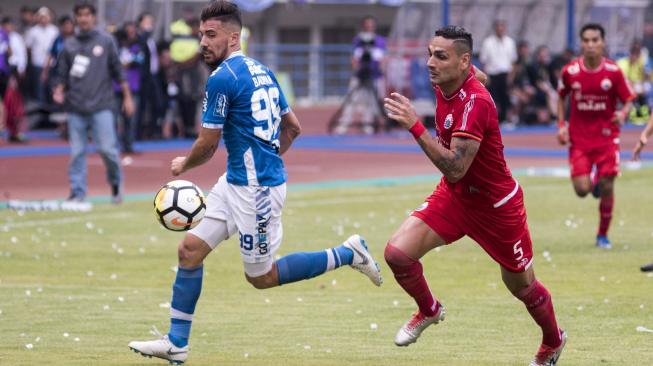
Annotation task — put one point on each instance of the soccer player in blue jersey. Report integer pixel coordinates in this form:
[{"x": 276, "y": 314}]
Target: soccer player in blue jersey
[{"x": 244, "y": 104}]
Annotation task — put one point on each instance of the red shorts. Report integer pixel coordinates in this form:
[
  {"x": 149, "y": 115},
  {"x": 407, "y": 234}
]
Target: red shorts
[
  {"x": 605, "y": 158},
  {"x": 502, "y": 232}
]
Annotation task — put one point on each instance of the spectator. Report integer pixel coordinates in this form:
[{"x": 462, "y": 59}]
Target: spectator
[
  {"x": 12, "y": 98},
  {"x": 167, "y": 78},
  {"x": 545, "y": 98},
  {"x": 26, "y": 19},
  {"x": 522, "y": 91},
  {"x": 87, "y": 65},
  {"x": 367, "y": 84},
  {"x": 184, "y": 51},
  {"x": 132, "y": 57},
  {"x": 66, "y": 29},
  {"x": 558, "y": 62},
  {"x": 5, "y": 70},
  {"x": 150, "y": 108},
  {"x": 498, "y": 53},
  {"x": 39, "y": 39},
  {"x": 635, "y": 70}
]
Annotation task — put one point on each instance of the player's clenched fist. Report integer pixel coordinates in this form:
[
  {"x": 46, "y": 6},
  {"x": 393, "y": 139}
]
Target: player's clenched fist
[
  {"x": 563, "y": 135},
  {"x": 177, "y": 165},
  {"x": 400, "y": 109}
]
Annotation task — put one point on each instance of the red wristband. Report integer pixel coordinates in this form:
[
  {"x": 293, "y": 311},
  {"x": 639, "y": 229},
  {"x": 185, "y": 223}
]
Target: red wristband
[
  {"x": 561, "y": 123},
  {"x": 418, "y": 129}
]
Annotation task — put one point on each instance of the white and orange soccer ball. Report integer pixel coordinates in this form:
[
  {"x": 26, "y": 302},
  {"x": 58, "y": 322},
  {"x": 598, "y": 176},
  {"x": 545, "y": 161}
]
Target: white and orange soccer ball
[{"x": 179, "y": 205}]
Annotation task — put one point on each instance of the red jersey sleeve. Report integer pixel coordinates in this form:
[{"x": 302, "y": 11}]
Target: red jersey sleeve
[
  {"x": 474, "y": 121},
  {"x": 563, "y": 83},
  {"x": 624, "y": 91}
]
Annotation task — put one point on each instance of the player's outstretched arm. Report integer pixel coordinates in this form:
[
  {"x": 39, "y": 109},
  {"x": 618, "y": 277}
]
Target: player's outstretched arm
[
  {"x": 452, "y": 163},
  {"x": 201, "y": 152},
  {"x": 290, "y": 129},
  {"x": 643, "y": 139}
]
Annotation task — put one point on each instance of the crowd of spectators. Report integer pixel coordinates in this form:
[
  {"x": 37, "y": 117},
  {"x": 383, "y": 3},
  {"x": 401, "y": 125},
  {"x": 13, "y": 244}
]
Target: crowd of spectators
[{"x": 164, "y": 76}]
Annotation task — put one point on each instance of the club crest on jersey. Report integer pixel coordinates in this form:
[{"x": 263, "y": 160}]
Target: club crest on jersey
[
  {"x": 606, "y": 84},
  {"x": 462, "y": 95},
  {"x": 221, "y": 106},
  {"x": 448, "y": 121}
]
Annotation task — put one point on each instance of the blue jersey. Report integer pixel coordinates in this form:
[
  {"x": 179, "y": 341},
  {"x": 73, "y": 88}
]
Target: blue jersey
[{"x": 243, "y": 98}]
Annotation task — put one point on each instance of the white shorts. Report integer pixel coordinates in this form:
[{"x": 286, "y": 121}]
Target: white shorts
[{"x": 253, "y": 211}]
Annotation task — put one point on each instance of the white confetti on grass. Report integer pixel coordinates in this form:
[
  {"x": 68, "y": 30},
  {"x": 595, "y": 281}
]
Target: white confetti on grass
[
  {"x": 333, "y": 282},
  {"x": 641, "y": 328},
  {"x": 602, "y": 278},
  {"x": 76, "y": 339},
  {"x": 66, "y": 335},
  {"x": 121, "y": 299},
  {"x": 299, "y": 299},
  {"x": 89, "y": 273},
  {"x": 29, "y": 346},
  {"x": 246, "y": 355},
  {"x": 374, "y": 326},
  {"x": 580, "y": 308},
  {"x": 105, "y": 307},
  {"x": 14, "y": 239},
  {"x": 267, "y": 301},
  {"x": 90, "y": 225},
  {"x": 113, "y": 276},
  {"x": 28, "y": 293},
  {"x": 307, "y": 346},
  {"x": 141, "y": 250},
  {"x": 395, "y": 302},
  {"x": 164, "y": 305}
]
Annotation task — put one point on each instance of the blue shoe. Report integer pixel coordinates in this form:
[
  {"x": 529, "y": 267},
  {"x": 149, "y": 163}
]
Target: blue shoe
[{"x": 603, "y": 242}]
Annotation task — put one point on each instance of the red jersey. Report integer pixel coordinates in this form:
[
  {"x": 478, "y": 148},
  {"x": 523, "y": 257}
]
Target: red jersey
[
  {"x": 470, "y": 113},
  {"x": 594, "y": 95}
]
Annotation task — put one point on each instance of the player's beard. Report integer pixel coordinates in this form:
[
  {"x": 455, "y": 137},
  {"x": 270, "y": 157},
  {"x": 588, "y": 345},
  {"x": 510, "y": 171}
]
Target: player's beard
[{"x": 214, "y": 63}]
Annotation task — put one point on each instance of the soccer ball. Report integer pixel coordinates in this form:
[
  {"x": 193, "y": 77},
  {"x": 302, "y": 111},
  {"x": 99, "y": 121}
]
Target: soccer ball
[{"x": 179, "y": 205}]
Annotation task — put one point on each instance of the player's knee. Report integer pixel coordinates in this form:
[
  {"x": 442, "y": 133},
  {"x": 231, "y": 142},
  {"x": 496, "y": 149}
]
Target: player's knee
[
  {"x": 188, "y": 258},
  {"x": 262, "y": 282},
  {"x": 581, "y": 191},
  {"x": 395, "y": 257}
]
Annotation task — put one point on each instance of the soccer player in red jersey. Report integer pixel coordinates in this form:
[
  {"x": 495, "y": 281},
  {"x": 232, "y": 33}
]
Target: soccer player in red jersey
[
  {"x": 477, "y": 195},
  {"x": 594, "y": 85}
]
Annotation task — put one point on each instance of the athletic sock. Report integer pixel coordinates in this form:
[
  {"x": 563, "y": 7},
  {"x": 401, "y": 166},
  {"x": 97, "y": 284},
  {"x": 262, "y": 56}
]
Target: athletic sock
[
  {"x": 304, "y": 265},
  {"x": 605, "y": 211},
  {"x": 185, "y": 293},
  {"x": 538, "y": 303},
  {"x": 409, "y": 274}
]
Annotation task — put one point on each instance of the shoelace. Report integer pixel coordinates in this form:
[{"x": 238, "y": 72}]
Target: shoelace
[{"x": 416, "y": 320}]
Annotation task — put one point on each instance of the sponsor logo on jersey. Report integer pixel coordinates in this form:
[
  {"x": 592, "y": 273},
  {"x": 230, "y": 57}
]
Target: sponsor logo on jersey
[
  {"x": 606, "y": 84},
  {"x": 448, "y": 121},
  {"x": 575, "y": 85},
  {"x": 205, "y": 101},
  {"x": 592, "y": 106}
]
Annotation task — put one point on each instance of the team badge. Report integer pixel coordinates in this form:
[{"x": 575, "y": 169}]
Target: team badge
[
  {"x": 606, "y": 84},
  {"x": 422, "y": 206},
  {"x": 448, "y": 121},
  {"x": 97, "y": 50},
  {"x": 221, "y": 106},
  {"x": 573, "y": 69},
  {"x": 462, "y": 94}
]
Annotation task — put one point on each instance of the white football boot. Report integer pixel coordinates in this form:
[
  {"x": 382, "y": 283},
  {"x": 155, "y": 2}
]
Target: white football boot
[
  {"x": 363, "y": 261},
  {"x": 547, "y": 356},
  {"x": 161, "y": 348},
  {"x": 414, "y": 327}
]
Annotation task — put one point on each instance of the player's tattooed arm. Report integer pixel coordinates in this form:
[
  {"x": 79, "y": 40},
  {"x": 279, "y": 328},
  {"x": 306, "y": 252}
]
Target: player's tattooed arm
[
  {"x": 202, "y": 151},
  {"x": 454, "y": 162},
  {"x": 290, "y": 129}
]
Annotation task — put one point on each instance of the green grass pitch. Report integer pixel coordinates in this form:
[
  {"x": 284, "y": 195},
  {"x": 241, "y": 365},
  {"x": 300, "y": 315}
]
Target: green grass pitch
[{"x": 78, "y": 287}]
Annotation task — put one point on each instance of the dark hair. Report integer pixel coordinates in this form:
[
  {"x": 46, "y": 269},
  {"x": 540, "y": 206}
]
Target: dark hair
[
  {"x": 368, "y": 17},
  {"x": 222, "y": 10},
  {"x": 84, "y": 5},
  {"x": 142, "y": 16},
  {"x": 460, "y": 36},
  {"x": 26, "y": 9},
  {"x": 6, "y": 20},
  {"x": 64, "y": 19},
  {"x": 592, "y": 26}
]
